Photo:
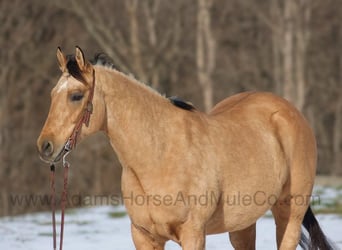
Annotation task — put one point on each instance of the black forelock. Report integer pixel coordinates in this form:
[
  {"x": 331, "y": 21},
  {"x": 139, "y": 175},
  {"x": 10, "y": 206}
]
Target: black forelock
[{"x": 73, "y": 68}]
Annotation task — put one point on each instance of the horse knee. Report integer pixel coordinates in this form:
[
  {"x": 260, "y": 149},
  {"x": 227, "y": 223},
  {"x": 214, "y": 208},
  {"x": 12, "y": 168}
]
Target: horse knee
[{"x": 193, "y": 239}]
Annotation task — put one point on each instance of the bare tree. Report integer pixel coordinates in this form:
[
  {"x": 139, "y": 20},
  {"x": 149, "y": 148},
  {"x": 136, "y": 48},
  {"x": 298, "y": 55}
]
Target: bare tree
[
  {"x": 134, "y": 38},
  {"x": 178, "y": 47},
  {"x": 151, "y": 12},
  {"x": 142, "y": 47},
  {"x": 337, "y": 135},
  {"x": 290, "y": 43},
  {"x": 289, "y": 22},
  {"x": 205, "y": 52},
  {"x": 337, "y": 129}
]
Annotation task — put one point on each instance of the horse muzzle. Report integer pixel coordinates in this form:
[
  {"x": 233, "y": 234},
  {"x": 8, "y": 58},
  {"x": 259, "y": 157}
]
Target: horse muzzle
[{"x": 48, "y": 153}]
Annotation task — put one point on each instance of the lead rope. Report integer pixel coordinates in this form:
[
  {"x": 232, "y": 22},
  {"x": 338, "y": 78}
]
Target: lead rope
[
  {"x": 53, "y": 204},
  {"x": 64, "y": 199},
  {"x": 66, "y": 166},
  {"x": 69, "y": 145}
]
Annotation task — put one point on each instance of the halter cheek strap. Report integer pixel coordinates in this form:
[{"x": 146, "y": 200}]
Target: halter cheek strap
[{"x": 71, "y": 143}]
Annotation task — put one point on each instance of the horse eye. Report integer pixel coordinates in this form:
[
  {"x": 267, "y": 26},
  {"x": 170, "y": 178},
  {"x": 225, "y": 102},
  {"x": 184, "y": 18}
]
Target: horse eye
[{"x": 76, "y": 97}]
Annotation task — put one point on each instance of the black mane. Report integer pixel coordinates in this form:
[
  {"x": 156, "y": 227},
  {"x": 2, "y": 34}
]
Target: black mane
[
  {"x": 103, "y": 60},
  {"x": 99, "y": 59},
  {"x": 181, "y": 104}
]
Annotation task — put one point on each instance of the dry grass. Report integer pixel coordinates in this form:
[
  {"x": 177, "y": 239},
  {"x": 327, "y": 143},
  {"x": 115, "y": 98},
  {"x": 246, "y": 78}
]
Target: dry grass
[{"x": 329, "y": 181}]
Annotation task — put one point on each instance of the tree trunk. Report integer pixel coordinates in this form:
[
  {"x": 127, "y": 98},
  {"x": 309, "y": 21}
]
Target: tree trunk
[
  {"x": 302, "y": 36},
  {"x": 337, "y": 137},
  {"x": 337, "y": 133},
  {"x": 290, "y": 41},
  {"x": 131, "y": 7},
  {"x": 288, "y": 35},
  {"x": 206, "y": 52},
  {"x": 151, "y": 11},
  {"x": 277, "y": 54}
]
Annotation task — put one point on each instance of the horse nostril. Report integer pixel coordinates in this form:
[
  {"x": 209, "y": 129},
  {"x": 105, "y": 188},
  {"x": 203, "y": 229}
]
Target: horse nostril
[{"x": 47, "y": 148}]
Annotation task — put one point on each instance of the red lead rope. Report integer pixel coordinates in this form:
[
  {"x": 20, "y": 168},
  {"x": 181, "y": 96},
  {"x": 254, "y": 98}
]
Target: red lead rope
[
  {"x": 68, "y": 147},
  {"x": 53, "y": 204},
  {"x": 63, "y": 204}
]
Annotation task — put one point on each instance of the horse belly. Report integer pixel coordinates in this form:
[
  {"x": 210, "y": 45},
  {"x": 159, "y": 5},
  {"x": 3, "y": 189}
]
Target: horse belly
[{"x": 239, "y": 210}]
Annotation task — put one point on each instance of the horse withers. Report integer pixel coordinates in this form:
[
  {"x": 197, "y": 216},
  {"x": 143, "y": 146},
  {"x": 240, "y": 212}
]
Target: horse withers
[{"x": 187, "y": 173}]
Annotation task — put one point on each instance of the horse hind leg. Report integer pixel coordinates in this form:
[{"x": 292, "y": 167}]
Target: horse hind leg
[
  {"x": 289, "y": 232},
  {"x": 288, "y": 213},
  {"x": 244, "y": 239}
]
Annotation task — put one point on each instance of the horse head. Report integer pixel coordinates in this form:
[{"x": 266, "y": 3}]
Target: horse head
[{"x": 71, "y": 106}]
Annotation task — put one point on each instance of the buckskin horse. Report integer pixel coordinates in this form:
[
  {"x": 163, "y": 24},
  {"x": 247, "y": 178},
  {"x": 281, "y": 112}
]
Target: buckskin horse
[{"x": 252, "y": 153}]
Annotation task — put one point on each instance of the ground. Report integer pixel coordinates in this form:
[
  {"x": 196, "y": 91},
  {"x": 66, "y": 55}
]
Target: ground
[{"x": 108, "y": 227}]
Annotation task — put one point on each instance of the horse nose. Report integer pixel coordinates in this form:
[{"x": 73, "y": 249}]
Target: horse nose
[{"x": 47, "y": 148}]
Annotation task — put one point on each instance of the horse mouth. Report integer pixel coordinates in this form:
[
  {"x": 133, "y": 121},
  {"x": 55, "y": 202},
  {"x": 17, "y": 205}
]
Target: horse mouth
[{"x": 59, "y": 156}]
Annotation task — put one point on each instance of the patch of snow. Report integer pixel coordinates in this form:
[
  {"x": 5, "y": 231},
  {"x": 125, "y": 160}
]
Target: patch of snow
[{"x": 94, "y": 228}]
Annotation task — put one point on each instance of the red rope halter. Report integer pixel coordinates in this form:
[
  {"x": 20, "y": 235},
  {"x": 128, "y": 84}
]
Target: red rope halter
[{"x": 68, "y": 147}]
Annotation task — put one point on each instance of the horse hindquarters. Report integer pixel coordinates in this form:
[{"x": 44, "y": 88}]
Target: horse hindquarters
[{"x": 299, "y": 148}]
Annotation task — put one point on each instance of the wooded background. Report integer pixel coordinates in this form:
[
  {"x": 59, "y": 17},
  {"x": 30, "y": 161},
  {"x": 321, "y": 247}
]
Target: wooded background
[{"x": 199, "y": 50}]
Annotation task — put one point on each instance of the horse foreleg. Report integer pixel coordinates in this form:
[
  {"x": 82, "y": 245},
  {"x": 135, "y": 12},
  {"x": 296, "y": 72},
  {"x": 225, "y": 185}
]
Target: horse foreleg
[
  {"x": 243, "y": 239},
  {"x": 143, "y": 241}
]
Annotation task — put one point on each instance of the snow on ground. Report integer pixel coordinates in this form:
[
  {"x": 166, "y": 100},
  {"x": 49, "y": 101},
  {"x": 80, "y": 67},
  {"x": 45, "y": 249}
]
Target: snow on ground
[{"x": 97, "y": 228}]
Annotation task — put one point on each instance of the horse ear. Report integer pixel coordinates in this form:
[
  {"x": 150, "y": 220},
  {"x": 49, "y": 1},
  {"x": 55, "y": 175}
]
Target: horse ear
[
  {"x": 62, "y": 61},
  {"x": 81, "y": 62}
]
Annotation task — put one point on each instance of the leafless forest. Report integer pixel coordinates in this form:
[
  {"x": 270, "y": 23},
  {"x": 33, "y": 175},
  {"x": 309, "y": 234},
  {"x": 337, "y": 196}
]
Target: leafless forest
[{"x": 199, "y": 50}]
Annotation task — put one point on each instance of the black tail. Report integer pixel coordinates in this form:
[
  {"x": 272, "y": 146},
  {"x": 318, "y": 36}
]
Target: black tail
[{"x": 317, "y": 240}]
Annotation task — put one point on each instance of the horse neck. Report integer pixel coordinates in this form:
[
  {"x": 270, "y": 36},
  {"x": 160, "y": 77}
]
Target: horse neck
[{"x": 138, "y": 119}]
